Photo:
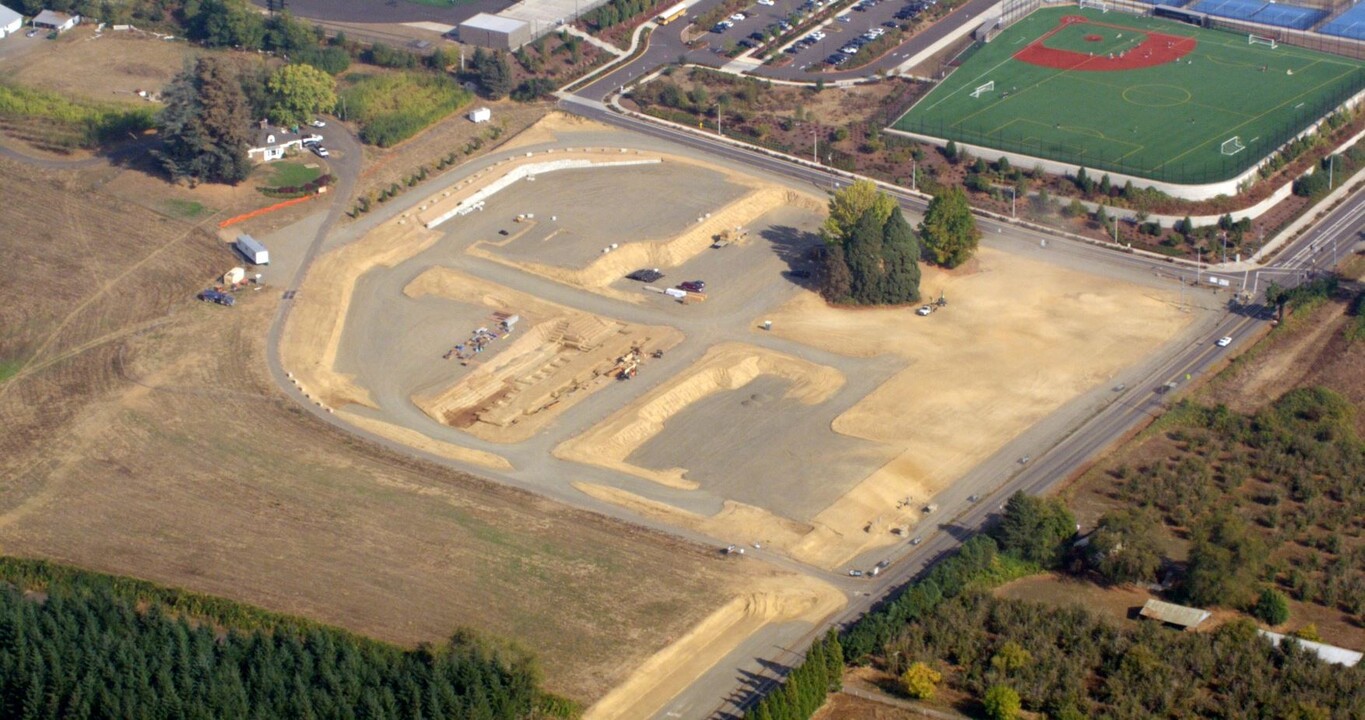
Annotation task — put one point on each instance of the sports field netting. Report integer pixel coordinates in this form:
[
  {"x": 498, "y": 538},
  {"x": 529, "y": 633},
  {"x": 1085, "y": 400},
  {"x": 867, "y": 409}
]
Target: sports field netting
[
  {"x": 1141, "y": 96},
  {"x": 1350, "y": 24},
  {"x": 1266, "y": 13}
]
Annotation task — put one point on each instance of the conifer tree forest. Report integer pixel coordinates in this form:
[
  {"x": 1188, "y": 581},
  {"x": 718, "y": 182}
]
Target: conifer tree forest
[{"x": 76, "y": 645}]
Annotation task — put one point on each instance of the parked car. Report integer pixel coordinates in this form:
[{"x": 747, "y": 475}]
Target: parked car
[
  {"x": 924, "y": 310},
  {"x": 738, "y": 17},
  {"x": 757, "y": 36},
  {"x": 849, "y": 49},
  {"x": 767, "y": 3},
  {"x": 31, "y": 33},
  {"x": 855, "y": 573},
  {"x": 695, "y": 286},
  {"x": 645, "y": 275},
  {"x": 720, "y": 27},
  {"x": 318, "y": 122},
  {"x": 320, "y": 150},
  {"x": 217, "y": 297},
  {"x": 1225, "y": 341},
  {"x": 845, "y": 19},
  {"x": 747, "y": 44}
]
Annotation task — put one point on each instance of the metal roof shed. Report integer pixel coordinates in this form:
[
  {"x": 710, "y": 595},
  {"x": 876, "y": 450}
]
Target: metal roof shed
[
  {"x": 1326, "y": 653},
  {"x": 1180, "y": 616}
]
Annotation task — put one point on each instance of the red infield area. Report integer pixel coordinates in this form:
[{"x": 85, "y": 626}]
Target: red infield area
[{"x": 1156, "y": 49}]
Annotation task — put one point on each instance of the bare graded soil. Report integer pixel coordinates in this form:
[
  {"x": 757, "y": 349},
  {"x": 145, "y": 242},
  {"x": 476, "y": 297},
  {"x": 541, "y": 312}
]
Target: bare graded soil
[
  {"x": 1017, "y": 340},
  {"x": 557, "y": 357},
  {"x": 145, "y": 438}
]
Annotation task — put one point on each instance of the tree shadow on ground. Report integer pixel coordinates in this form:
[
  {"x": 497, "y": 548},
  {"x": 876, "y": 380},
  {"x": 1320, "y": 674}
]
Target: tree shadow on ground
[{"x": 793, "y": 247}]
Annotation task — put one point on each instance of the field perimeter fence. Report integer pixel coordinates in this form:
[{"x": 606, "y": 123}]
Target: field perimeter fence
[
  {"x": 1345, "y": 47},
  {"x": 1214, "y": 167}
]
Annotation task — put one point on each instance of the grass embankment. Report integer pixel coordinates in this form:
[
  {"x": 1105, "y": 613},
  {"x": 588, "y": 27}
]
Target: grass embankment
[
  {"x": 53, "y": 121},
  {"x": 393, "y": 107}
]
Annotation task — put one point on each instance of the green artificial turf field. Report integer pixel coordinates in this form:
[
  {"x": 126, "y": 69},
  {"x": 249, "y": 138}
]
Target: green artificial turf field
[{"x": 1143, "y": 96}]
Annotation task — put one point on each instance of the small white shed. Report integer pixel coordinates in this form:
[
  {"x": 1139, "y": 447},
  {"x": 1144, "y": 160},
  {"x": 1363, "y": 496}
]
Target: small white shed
[
  {"x": 480, "y": 115},
  {"x": 234, "y": 276}
]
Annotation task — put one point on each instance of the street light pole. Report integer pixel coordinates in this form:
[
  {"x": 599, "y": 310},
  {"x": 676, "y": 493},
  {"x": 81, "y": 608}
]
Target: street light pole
[
  {"x": 1225, "y": 246},
  {"x": 914, "y": 175}
]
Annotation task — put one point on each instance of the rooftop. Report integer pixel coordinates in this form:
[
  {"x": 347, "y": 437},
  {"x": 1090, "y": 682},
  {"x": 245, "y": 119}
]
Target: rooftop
[
  {"x": 48, "y": 17},
  {"x": 494, "y": 23},
  {"x": 1186, "y": 617},
  {"x": 1327, "y": 653},
  {"x": 8, "y": 16}
]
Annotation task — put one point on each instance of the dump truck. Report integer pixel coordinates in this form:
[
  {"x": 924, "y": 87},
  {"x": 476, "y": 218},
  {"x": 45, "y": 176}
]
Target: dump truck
[{"x": 252, "y": 250}]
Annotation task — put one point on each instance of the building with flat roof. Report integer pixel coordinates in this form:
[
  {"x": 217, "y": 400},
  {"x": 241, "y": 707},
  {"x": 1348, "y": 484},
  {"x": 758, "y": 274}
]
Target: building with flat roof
[{"x": 495, "y": 32}]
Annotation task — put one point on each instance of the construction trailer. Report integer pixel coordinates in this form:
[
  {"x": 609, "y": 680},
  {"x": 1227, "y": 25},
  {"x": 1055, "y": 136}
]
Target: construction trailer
[{"x": 252, "y": 250}]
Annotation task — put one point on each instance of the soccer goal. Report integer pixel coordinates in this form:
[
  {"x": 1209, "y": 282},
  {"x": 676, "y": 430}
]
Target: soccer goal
[
  {"x": 1233, "y": 145},
  {"x": 982, "y": 89},
  {"x": 1095, "y": 4},
  {"x": 1261, "y": 40}
]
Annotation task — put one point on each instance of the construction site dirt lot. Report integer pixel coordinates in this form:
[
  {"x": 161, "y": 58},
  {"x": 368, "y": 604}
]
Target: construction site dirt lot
[{"x": 144, "y": 437}]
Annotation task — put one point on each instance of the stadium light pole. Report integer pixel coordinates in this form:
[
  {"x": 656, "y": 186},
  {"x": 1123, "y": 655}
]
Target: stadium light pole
[{"x": 1225, "y": 245}]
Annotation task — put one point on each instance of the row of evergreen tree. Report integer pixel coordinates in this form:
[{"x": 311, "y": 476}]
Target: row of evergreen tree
[
  {"x": 79, "y": 645},
  {"x": 808, "y": 684}
]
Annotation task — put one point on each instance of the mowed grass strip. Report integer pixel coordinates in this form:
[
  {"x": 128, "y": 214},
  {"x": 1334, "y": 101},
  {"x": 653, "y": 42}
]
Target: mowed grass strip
[{"x": 1166, "y": 122}]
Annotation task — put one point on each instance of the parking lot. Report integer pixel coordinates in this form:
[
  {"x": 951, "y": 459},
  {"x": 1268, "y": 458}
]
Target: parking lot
[{"x": 832, "y": 45}]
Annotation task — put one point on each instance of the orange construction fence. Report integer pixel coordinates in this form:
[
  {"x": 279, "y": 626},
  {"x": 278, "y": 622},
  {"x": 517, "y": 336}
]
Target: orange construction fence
[{"x": 264, "y": 210}]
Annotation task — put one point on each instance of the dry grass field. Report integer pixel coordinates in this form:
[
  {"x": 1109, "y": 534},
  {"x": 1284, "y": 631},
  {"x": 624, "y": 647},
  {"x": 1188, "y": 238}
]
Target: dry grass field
[
  {"x": 145, "y": 438},
  {"x": 126, "y": 62}
]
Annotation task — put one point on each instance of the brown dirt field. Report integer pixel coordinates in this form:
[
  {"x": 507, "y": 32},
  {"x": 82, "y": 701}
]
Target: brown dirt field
[
  {"x": 842, "y": 706},
  {"x": 123, "y": 63},
  {"x": 773, "y": 599},
  {"x": 1018, "y": 340},
  {"x": 555, "y": 359},
  {"x": 155, "y": 445},
  {"x": 724, "y": 367}
]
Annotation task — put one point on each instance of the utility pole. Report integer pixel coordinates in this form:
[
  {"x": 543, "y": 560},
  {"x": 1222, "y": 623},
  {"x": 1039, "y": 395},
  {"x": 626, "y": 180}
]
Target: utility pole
[
  {"x": 914, "y": 175},
  {"x": 1225, "y": 246}
]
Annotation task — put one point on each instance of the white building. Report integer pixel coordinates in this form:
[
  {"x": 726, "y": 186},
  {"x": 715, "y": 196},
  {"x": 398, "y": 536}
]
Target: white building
[
  {"x": 10, "y": 21},
  {"x": 49, "y": 20},
  {"x": 272, "y": 143}
]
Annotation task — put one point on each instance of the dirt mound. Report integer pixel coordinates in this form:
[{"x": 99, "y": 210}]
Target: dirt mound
[
  {"x": 728, "y": 366},
  {"x": 563, "y": 357},
  {"x": 774, "y": 599}
]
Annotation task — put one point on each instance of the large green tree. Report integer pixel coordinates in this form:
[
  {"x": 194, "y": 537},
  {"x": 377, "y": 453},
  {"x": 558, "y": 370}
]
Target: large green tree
[
  {"x": 206, "y": 124},
  {"x": 848, "y": 206},
  {"x": 1226, "y": 558},
  {"x": 224, "y": 23},
  {"x": 949, "y": 231},
  {"x": 1035, "y": 529},
  {"x": 874, "y": 260},
  {"x": 495, "y": 74},
  {"x": 1001, "y": 703},
  {"x": 298, "y": 91},
  {"x": 1124, "y": 548}
]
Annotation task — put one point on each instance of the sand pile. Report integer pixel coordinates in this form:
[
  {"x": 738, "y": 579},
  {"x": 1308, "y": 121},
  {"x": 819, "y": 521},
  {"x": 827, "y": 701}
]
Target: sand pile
[{"x": 724, "y": 367}]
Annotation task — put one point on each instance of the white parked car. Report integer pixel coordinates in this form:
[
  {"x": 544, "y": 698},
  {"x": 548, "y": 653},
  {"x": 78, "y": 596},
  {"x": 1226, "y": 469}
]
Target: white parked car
[
  {"x": 924, "y": 310},
  {"x": 767, "y": 3},
  {"x": 737, "y": 17},
  {"x": 317, "y": 122},
  {"x": 320, "y": 150},
  {"x": 1225, "y": 341}
]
